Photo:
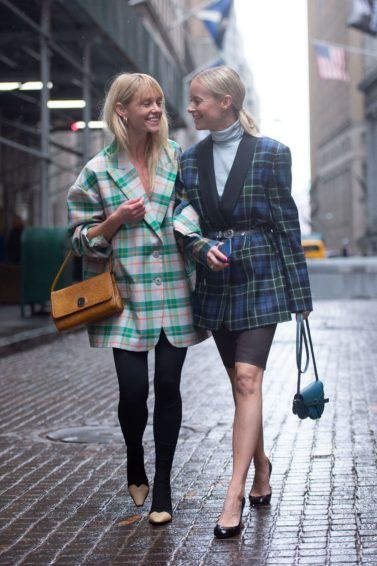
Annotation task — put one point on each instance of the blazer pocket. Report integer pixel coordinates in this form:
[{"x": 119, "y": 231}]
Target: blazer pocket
[{"x": 252, "y": 251}]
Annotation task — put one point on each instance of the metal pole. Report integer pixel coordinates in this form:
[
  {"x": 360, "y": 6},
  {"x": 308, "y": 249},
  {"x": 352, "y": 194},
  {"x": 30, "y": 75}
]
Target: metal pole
[
  {"x": 349, "y": 48},
  {"x": 87, "y": 111},
  {"x": 53, "y": 46},
  {"x": 24, "y": 148},
  {"x": 189, "y": 14},
  {"x": 45, "y": 113},
  {"x": 4, "y": 186}
]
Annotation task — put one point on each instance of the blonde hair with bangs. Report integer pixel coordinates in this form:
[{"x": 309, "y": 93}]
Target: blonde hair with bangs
[
  {"x": 123, "y": 89},
  {"x": 222, "y": 81}
]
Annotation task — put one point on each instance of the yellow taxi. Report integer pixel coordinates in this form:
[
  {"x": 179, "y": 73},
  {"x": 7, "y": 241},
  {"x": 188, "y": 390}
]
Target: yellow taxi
[{"x": 314, "y": 248}]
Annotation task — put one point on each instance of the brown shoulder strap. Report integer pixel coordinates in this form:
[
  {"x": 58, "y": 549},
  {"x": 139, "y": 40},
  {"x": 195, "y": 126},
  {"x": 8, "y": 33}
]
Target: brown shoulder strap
[{"x": 67, "y": 258}]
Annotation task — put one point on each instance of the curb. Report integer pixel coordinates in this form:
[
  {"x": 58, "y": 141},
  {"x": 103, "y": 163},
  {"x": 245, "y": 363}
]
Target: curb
[{"x": 29, "y": 339}]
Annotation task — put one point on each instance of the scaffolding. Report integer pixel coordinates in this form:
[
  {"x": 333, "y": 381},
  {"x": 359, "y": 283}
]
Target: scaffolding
[{"x": 71, "y": 49}]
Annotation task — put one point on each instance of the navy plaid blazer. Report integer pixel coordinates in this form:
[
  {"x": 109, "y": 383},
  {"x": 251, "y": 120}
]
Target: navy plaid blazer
[{"x": 267, "y": 278}]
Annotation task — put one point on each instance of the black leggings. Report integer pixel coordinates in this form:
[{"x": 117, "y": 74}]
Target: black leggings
[{"x": 132, "y": 371}]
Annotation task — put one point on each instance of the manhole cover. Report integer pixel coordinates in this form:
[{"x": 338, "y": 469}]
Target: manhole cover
[
  {"x": 343, "y": 328},
  {"x": 112, "y": 434},
  {"x": 88, "y": 434}
]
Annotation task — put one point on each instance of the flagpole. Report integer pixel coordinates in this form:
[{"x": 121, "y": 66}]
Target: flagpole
[
  {"x": 349, "y": 48},
  {"x": 185, "y": 15},
  {"x": 191, "y": 13}
]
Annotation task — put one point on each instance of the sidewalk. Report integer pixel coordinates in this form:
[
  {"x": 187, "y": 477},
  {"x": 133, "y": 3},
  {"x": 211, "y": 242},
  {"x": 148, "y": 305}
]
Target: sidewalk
[
  {"x": 18, "y": 333},
  {"x": 66, "y": 503}
]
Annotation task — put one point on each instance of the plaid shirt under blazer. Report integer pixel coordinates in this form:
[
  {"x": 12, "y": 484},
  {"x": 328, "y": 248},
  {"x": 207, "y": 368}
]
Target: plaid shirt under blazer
[
  {"x": 267, "y": 278},
  {"x": 148, "y": 266}
]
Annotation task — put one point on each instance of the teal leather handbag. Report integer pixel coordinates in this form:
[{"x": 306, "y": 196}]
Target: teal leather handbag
[{"x": 309, "y": 401}]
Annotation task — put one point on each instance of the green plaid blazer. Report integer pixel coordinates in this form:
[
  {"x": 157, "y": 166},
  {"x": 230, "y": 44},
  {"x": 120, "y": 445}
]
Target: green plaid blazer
[
  {"x": 148, "y": 266},
  {"x": 267, "y": 278}
]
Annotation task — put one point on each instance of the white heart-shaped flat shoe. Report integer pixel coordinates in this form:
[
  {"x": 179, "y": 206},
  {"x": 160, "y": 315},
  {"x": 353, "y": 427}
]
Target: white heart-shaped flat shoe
[
  {"x": 159, "y": 518},
  {"x": 139, "y": 493}
]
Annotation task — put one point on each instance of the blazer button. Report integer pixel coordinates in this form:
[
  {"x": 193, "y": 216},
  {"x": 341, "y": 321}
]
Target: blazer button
[
  {"x": 156, "y": 253},
  {"x": 158, "y": 281}
]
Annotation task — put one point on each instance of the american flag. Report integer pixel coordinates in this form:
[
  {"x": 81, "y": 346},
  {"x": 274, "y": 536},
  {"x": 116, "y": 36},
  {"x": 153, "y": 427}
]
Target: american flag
[{"x": 331, "y": 62}]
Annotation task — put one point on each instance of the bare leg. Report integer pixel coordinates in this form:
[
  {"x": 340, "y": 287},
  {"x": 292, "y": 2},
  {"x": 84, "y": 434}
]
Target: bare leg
[
  {"x": 261, "y": 485},
  {"x": 246, "y": 432},
  {"x": 232, "y": 376}
]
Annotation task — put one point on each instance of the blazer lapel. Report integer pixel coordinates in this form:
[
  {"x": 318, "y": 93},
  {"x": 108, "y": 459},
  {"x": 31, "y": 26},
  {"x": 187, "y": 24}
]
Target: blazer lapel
[
  {"x": 128, "y": 181},
  {"x": 207, "y": 184},
  {"x": 237, "y": 175},
  {"x": 166, "y": 173}
]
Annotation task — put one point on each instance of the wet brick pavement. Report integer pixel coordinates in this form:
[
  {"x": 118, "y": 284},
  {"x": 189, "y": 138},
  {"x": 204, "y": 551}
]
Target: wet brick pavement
[{"x": 66, "y": 503}]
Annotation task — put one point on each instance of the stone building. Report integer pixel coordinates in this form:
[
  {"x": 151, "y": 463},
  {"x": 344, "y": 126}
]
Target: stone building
[
  {"x": 337, "y": 133},
  {"x": 369, "y": 87}
]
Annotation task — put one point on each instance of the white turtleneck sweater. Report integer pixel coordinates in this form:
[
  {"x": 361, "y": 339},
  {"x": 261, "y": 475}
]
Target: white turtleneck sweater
[{"x": 225, "y": 145}]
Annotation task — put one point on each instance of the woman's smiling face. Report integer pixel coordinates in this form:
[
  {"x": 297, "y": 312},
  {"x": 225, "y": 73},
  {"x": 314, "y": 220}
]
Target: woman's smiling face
[
  {"x": 144, "y": 112},
  {"x": 206, "y": 109}
]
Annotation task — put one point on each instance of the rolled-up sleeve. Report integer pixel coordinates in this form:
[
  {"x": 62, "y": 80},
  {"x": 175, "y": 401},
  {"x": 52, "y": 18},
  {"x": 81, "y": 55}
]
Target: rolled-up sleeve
[
  {"x": 187, "y": 226},
  {"x": 85, "y": 210}
]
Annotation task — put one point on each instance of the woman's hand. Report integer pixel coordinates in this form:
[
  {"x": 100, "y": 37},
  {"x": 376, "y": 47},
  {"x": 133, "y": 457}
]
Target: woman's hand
[
  {"x": 130, "y": 211},
  {"x": 305, "y": 314},
  {"x": 216, "y": 260}
]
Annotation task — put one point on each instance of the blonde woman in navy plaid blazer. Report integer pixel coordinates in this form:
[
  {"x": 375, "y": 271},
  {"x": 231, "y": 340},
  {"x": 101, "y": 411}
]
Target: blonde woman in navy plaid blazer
[{"x": 234, "y": 194}]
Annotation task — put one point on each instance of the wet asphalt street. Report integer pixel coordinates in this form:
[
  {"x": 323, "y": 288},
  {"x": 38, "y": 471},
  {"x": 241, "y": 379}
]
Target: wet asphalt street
[{"x": 67, "y": 502}]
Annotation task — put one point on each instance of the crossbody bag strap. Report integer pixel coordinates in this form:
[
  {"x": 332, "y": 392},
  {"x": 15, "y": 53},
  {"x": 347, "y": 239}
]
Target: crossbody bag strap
[
  {"x": 300, "y": 340},
  {"x": 311, "y": 348},
  {"x": 67, "y": 258}
]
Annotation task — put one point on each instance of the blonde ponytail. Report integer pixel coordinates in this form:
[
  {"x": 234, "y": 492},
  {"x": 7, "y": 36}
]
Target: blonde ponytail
[{"x": 247, "y": 122}]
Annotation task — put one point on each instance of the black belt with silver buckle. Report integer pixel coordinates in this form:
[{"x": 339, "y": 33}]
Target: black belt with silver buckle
[{"x": 220, "y": 234}]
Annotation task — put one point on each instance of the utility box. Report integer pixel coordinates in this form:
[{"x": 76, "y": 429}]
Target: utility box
[{"x": 42, "y": 252}]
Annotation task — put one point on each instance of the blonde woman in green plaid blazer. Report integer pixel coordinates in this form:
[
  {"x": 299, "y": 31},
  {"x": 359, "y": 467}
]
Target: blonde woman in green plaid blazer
[{"x": 122, "y": 204}]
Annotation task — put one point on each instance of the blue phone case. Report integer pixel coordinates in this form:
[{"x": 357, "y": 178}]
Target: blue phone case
[{"x": 226, "y": 248}]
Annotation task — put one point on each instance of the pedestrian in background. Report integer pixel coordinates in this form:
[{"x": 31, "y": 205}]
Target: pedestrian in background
[
  {"x": 122, "y": 204},
  {"x": 13, "y": 243},
  {"x": 242, "y": 227},
  {"x": 345, "y": 251}
]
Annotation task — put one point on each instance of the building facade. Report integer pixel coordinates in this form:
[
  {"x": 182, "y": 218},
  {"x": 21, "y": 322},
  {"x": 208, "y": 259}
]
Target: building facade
[
  {"x": 337, "y": 133},
  {"x": 206, "y": 54},
  {"x": 234, "y": 56},
  {"x": 368, "y": 87}
]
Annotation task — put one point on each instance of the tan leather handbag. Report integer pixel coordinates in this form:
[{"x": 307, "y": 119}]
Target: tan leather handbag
[{"x": 86, "y": 302}]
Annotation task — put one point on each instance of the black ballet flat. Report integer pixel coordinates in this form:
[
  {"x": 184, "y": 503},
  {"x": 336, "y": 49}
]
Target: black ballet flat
[
  {"x": 228, "y": 532},
  {"x": 261, "y": 500}
]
